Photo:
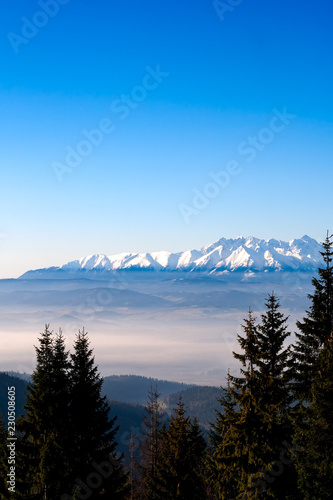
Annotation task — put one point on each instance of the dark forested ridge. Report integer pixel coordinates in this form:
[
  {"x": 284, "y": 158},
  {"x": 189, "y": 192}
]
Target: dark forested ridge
[
  {"x": 128, "y": 388},
  {"x": 128, "y": 395},
  {"x": 200, "y": 402},
  {"x": 134, "y": 388}
]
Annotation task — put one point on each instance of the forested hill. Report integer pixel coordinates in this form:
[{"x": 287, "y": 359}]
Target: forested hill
[
  {"x": 128, "y": 388},
  {"x": 134, "y": 388},
  {"x": 200, "y": 401},
  {"x": 128, "y": 394}
]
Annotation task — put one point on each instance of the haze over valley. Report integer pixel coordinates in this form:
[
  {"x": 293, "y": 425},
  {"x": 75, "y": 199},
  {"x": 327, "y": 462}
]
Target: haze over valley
[{"x": 176, "y": 321}]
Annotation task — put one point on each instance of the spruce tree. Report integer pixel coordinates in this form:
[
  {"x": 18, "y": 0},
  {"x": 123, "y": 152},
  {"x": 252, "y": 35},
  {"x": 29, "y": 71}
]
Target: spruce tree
[
  {"x": 238, "y": 457},
  {"x": 313, "y": 364},
  {"x": 151, "y": 445},
  {"x": 316, "y": 327},
  {"x": 250, "y": 430},
  {"x": 41, "y": 444},
  {"x": 276, "y": 399},
  {"x": 182, "y": 457},
  {"x": 315, "y": 464},
  {"x": 199, "y": 453},
  {"x": 56, "y": 457},
  {"x": 222, "y": 466},
  {"x": 93, "y": 433}
]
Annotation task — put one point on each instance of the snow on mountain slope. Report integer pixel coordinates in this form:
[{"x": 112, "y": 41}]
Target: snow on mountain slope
[{"x": 249, "y": 253}]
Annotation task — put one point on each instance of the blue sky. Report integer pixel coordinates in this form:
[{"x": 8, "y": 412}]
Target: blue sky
[{"x": 196, "y": 86}]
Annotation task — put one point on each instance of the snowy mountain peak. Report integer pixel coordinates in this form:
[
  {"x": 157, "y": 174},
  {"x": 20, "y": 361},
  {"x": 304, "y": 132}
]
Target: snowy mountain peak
[{"x": 241, "y": 253}]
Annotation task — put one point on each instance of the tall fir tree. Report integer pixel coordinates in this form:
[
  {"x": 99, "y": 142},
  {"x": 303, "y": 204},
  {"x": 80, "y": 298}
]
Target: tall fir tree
[
  {"x": 222, "y": 466},
  {"x": 56, "y": 458},
  {"x": 200, "y": 452},
  {"x": 276, "y": 400},
  {"x": 316, "y": 327},
  {"x": 250, "y": 430},
  {"x": 237, "y": 457},
  {"x": 315, "y": 463},
  {"x": 182, "y": 459},
  {"x": 313, "y": 364},
  {"x": 93, "y": 433},
  {"x": 150, "y": 449}
]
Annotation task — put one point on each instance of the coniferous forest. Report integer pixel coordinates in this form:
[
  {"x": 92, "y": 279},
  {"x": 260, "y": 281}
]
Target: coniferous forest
[{"x": 272, "y": 436}]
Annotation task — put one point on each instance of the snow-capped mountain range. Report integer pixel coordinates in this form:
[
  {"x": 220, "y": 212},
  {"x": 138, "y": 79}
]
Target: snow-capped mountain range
[{"x": 238, "y": 254}]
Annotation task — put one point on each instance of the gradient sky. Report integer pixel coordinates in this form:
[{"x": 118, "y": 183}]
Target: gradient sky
[{"x": 226, "y": 74}]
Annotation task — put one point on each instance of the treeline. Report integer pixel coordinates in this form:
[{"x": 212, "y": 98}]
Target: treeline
[{"x": 272, "y": 436}]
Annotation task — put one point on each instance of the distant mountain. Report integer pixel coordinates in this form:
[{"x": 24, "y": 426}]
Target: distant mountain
[
  {"x": 134, "y": 388},
  {"x": 238, "y": 254}
]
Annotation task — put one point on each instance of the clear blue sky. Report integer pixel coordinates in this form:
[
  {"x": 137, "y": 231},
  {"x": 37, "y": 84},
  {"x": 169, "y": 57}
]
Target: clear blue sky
[{"x": 225, "y": 78}]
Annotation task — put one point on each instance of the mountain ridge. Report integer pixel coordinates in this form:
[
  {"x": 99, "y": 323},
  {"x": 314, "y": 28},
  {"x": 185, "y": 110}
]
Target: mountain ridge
[{"x": 239, "y": 254}]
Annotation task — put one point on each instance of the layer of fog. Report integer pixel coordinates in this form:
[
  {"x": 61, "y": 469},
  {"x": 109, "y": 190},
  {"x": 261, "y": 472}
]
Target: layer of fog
[{"x": 174, "y": 328}]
